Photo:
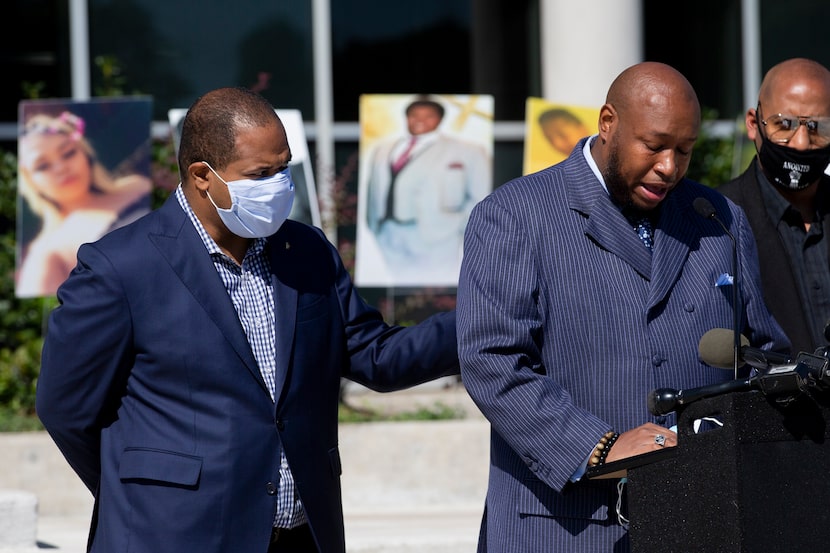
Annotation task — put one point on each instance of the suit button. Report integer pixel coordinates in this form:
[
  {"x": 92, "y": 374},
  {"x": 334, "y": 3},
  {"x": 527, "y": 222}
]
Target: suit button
[
  {"x": 270, "y": 488},
  {"x": 280, "y": 425}
]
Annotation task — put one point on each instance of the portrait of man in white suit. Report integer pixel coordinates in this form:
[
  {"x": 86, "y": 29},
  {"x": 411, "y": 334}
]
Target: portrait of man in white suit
[{"x": 420, "y": 177}]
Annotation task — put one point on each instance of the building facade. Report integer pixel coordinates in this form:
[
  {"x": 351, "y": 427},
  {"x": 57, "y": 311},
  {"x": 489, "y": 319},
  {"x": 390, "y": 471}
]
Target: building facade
[{"x": 562, "y": 50}]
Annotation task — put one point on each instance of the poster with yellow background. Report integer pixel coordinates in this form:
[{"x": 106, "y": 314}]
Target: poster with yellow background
[
  {"x": 552, "y": 130},
  {"x": 425, "y": 162}
]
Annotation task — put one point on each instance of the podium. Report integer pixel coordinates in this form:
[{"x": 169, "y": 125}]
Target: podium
[{"x": 758, "y": 484}]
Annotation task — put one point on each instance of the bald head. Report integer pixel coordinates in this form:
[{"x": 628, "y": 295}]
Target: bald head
[
  {"x": 797, "y": 78},
  {"x": 651, "y": 85}
]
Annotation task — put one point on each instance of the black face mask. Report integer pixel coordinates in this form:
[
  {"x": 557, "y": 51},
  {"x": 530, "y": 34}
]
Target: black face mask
[{"x": 792, "y": 169}]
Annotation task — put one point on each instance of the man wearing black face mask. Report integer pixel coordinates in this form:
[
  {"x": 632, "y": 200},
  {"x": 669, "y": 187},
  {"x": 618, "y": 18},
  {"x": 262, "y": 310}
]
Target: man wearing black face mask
[{"x": 786, "y": 196}]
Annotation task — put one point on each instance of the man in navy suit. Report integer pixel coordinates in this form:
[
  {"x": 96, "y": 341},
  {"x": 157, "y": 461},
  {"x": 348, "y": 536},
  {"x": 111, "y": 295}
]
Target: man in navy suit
[
  {"x": 191, "y": 374},
  {"x": 567, "y": 318}
]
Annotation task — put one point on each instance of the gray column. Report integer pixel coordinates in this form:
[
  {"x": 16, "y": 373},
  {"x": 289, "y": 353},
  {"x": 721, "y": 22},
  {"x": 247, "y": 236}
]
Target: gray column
[
  {"x": 79, "y": 49},
  {"x": 585, "y": 44},
  {"x": 324, "y": 116}
]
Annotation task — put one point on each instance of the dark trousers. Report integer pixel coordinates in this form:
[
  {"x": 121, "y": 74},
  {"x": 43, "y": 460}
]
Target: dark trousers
[{"x": 295, "y": 540}]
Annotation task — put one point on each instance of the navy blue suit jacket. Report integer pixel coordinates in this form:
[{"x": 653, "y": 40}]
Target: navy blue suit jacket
[
  {"x": 566, "y": 322},
  {"x": 151, "y": 391}
]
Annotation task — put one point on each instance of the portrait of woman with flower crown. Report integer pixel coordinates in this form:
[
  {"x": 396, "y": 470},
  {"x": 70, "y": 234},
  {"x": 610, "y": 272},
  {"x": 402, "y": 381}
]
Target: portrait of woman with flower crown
[{"x": 67, "y": 195}]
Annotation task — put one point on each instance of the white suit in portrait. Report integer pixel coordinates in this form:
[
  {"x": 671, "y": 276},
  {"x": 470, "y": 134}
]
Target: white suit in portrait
[{"x": 420, "y": 228}]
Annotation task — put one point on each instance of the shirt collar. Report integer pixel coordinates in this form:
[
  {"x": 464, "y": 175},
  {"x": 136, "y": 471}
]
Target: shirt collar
[
  {"x": 586, "y": 153},
  {"x": 425, "y": 138}
]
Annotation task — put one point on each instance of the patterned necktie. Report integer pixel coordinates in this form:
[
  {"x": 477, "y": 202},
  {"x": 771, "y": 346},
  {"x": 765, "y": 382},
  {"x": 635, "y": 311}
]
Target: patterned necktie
[
  {"x": 402, "y": 160},
  {"x": 644, "y": 231},
  {"x": 396, "y": 167}
]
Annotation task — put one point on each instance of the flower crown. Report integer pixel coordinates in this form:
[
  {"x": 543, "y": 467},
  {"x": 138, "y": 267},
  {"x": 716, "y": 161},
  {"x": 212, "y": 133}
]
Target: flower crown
[{"x": 66, "y": 123}]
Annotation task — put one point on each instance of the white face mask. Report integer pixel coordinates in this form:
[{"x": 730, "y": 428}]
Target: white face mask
[{"x": 259, "y": 207}]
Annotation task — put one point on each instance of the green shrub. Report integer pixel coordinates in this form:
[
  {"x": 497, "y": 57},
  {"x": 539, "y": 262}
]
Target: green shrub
[
  {"x": 438, "y": 411},
  {"x": 21, "y": 320},
  {"x": 721, "y": 152}
]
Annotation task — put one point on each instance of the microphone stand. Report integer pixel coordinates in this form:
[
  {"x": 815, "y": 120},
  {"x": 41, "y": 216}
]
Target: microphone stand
[
  {"x": 735, "y": 300},
  {"x": 705, "y": 208}
]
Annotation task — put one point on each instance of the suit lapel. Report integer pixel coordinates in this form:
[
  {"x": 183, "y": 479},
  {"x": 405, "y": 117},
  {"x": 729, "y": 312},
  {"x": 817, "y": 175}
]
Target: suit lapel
[
  {"x": 179, "y": 243},
  {"x": 285, "y": 306},
  {"x": 765, "y": 228},
  {"x": 606, "y": 225},
  {"x": 678, "y": 227},
  {"x": 612, "y": 231}
]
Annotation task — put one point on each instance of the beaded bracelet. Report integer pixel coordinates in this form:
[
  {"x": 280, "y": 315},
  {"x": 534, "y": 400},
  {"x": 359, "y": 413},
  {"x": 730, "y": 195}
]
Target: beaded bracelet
[{"x": 602, "y": 448}]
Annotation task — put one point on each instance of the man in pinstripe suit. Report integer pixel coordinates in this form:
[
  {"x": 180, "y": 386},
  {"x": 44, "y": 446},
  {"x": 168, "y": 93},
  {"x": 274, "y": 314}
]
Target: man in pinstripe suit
[{"x": 567, "y": 319}]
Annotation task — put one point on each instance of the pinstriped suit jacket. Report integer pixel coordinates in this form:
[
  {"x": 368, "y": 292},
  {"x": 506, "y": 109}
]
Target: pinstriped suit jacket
[{"x": 566, "y": 322}]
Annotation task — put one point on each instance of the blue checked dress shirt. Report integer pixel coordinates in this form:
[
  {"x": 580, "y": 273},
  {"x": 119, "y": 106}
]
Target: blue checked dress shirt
[{"x": 249, "y": 287}]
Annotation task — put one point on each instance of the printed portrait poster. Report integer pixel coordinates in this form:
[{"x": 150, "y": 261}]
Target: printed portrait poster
[
  {"x": 425, "y": 161},
  {"x": 305, "y": 208},
  {"x": 83, "y": 170},
  {"x": 552, "y": 130}
]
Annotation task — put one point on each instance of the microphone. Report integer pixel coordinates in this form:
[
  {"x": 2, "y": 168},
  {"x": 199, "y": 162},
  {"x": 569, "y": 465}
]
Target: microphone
[
  {"x": 783, "y": 382},
  {"x": 705, "y": 209},
  {"x": 715, "y": 349},
  {"x": 824, "y": 351},
  {"x": 663, "y": 401}
]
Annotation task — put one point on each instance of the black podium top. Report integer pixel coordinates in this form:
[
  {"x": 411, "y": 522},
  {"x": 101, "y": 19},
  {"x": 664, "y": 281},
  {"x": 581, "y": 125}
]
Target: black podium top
[{"x": 619, "y": 469}]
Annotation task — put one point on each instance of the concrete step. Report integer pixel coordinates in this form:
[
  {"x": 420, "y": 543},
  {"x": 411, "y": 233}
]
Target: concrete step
[{"x": 431, "y": 531}]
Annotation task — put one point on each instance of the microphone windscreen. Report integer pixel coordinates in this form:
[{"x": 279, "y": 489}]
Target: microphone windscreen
[
  {"x": 703, "y": 207},
  {"x": 717, "y": 348}
]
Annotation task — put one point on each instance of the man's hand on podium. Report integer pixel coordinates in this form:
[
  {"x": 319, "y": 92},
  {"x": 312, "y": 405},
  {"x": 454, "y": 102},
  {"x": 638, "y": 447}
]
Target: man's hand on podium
[{"x": 643, "y": 439}]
